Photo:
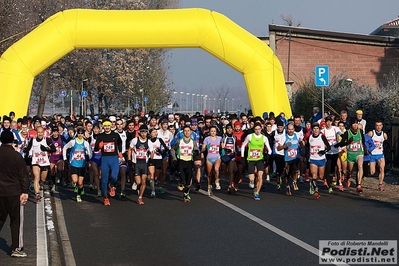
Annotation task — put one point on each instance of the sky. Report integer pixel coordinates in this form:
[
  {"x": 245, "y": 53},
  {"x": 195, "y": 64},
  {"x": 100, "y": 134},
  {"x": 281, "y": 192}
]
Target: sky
[{"x": 195, "y": 70}]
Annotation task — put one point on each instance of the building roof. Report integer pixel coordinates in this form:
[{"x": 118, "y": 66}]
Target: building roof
[{"x": 390, "y": 28}]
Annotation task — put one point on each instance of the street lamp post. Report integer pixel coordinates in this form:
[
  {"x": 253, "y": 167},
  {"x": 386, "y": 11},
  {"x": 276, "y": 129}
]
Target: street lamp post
[
  {"x": 82, "y": 98},
  {"x": 180, "y": 101},
  {"x": 188, "y": 94},
  {"x": 142, "y": 99},
  {"x": 198, "y": 102}
]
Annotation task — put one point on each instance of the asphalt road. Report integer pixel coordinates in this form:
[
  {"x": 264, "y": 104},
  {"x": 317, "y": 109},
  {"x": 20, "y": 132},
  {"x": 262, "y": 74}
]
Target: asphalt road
[{"x": 222, "y": 229}]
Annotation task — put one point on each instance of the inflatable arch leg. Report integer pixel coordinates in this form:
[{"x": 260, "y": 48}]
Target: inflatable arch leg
[{"x": 196, "y": 28}]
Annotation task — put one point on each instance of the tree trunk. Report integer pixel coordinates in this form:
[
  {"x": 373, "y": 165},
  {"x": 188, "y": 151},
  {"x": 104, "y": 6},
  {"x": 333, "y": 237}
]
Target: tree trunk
[
  {"x": 100, "y": 103},
  {"x": 43, "y": 93}
]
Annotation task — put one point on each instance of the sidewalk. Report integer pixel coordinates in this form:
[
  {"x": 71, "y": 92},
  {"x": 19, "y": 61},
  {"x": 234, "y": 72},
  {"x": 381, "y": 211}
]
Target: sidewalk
[{"x": 40, "y": 236}]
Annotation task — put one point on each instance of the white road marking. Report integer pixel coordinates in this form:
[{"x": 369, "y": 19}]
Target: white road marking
[
  {"x": 41, "y": 235},
  {"x": 266, "y": 225},
  {"x": 65, "y": 242}
]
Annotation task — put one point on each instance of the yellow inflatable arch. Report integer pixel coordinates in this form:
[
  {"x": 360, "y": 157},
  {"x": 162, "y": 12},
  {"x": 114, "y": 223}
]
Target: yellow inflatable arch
[{"x": 174, "y": 28}]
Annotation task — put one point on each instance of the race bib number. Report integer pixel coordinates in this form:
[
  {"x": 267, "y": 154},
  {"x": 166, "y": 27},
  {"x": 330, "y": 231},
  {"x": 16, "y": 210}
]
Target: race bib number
[
  {"x": 109, "y": 147},
  {"x": 254, "y": 154},
  {"x": 41, "y": 158},
  {"x": 141, "y": 154},
  {"x": 214, "y": 149},
  {"x": 78, "y": 156},
  {"x": 58, "y": 150},
  {"x": 315, "y": 149},
  {"x": 354, "y": 146},
  {"x": 292, "y": 153},
  {"x": 331, "y": 141},
  {"x": 378, "y": 144},
  {"x": 186, "y": 150}
]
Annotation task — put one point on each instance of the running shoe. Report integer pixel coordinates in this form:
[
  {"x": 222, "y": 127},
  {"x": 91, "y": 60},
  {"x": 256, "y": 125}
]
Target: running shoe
[
  {"x": 156, "y": 183},
  {"x": 112, "y": 191},
  {"x": 229, "y": 189},
  {"x": 152, "y": 194},
  {"x": 38, "y": 197},
  {"x": 317, "y": 195},
  {"x": 106, "y": 202},
  {"x": 330, "y": 190},
  {"x": 381, "y": 188},
  {"x": 198, "y": 187},
  {"x": 311, "y": 190},
  {"x": 256, "y": 196},
  {"x": 186, "y": 197},
  {"x": 341, "y": 188},
  {"x": 210, "y": 190},
  {"x": 180, "y": 187},
  {"x": 99, "y": 194},
  {"x": 288, "y": 191},
  {"x": 122, "y": 195},
  {"x": 268, "y": 179},
  {"x": 278, "y": 187},
  {"x": 234, "y": 186},
  {"x": 140, "y": 201},
  {"x": 78, "y": 198},
  {"x": 325, "y": 183},
  {"x": 251, "y": 184},
  {"x": 134, "y": 186},
  {"x": 364, "y": 178},
  {"x": 161, "y": 191},
  {"x": 91, "y": 187},
  {"x": 17, "y": 253},
  {"x": 240, "y": 181},
  {"x": 359, "y": 189},
  {"x": 295, "y": 186},
  {"x": 57, "y": 180},
  {"x": 54, "y": 188},
  {"x": 218, "y": 187}
]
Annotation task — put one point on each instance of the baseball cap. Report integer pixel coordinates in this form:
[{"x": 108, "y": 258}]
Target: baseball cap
[
  {"x": 322, "y": 124},
  {"x": 359, "y": 112},
  {"x": 171, "y": 116},
  {"x": 112, "y": 118}
]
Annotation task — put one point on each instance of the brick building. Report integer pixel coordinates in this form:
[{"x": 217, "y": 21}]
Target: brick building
[{"x": 364, "y": 58}]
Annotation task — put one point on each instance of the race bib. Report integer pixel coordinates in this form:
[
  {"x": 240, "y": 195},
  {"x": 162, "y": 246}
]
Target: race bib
[
  {"x": 292, "y": 153},
  {"x": 315, "y": 149},
  {"x": 58, "y": 150},
  {"x": 354, "y": 146},
  {"x": 78, "y": 156},
  {"x": 186, "y": 150},
  {"x": 378, "y": 144},
  {"x": 141, "y": 154},
  {"x": 214, "y": 149},
  {"x": 109, "y": 147},
  {"x": 254, "y": 154},
  {"x": 41, "y": 158}
]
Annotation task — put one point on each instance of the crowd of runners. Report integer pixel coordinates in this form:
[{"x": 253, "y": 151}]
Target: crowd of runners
[{"x": 111, "y": 154}]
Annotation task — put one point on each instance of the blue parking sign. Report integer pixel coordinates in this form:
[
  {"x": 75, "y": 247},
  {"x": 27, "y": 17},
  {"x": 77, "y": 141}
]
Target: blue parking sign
[{"x": 322, "y": 76}]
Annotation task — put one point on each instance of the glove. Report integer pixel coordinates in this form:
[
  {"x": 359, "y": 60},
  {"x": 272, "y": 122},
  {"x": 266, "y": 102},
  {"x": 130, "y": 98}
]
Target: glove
[
  {"x": 43, "y": 148},
  {"x": 287, "y": 144},
  {"x": 25, "y": 150},
  {"x": 174, "y": 163},
  {"x": 195, "y": 153},
  {"x": 130, "y": 163},
  {"x": 322, "y": 152},
  {"x": 350, "y": 139},
  {"x": 100, "y": 145}
]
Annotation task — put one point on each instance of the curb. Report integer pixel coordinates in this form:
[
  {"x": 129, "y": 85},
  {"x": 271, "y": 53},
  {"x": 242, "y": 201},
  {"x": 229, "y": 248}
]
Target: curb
[{"x": 52, "y": 229}]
